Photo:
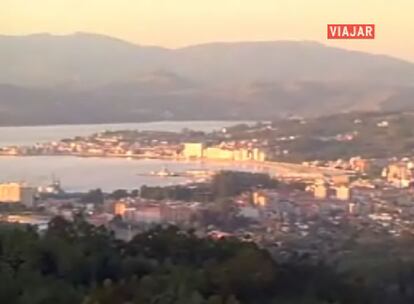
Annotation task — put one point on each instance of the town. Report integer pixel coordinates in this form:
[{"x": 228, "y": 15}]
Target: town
[{"x": 315, "y": 203}]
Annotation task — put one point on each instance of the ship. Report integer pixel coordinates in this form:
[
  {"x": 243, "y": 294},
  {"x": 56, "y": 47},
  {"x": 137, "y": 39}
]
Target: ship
[
  {"x": 164, "y": 172},
  {"x": 53, "y": 188}
]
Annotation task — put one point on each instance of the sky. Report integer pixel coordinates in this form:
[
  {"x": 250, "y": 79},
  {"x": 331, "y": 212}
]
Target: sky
[{"x": 176, "y": 23}]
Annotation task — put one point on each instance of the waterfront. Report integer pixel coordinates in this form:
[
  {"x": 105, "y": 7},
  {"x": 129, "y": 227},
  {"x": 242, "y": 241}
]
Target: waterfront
[
  {"x": 83, "y": 174},
  {"x": 122, "y": 161}
]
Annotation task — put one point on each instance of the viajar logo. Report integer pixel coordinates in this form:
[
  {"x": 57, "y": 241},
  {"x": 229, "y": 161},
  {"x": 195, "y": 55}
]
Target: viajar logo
[{"x": 351, "y": 31}]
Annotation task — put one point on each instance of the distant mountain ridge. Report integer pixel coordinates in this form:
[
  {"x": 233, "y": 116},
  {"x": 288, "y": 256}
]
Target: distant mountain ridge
[
  {"x": 93, "y": 78},
  {"x": 90, "y": 59}
]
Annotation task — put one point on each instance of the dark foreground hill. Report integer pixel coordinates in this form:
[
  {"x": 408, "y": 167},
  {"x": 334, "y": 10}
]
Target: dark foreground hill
[{"x": 78, "y": 263}]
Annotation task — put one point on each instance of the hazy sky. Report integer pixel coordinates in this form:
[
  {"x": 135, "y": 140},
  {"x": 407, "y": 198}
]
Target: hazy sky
[{"x": 174, "y": 23}]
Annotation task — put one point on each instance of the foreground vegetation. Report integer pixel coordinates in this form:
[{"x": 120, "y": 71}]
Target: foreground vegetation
[{"x": 79, "y": 263}]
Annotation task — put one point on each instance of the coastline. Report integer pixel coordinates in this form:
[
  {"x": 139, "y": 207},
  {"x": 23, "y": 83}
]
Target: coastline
[{"x": 282, "y": 169}]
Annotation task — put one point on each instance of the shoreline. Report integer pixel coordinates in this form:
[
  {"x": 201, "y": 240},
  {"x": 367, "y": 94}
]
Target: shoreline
[{"x": 277, "y": 168}]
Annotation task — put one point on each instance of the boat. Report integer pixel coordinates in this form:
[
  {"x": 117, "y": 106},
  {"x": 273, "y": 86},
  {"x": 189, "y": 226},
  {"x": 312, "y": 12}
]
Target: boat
[
  {"x": 54, "y": 188},
  {"x": 164, "y": 172}
]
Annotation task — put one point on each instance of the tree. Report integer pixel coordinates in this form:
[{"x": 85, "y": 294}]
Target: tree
[
  {"x": 75, "y": 262},
  {"x": 94, "y": 196},
  {"x": 135, "y": 193},
  {"x": 118, "y": 194},
  {"x": 230, "y": 183}
]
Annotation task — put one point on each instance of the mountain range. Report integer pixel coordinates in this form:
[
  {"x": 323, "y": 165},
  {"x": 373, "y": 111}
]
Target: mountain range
[{"x": 88, "y": 78}]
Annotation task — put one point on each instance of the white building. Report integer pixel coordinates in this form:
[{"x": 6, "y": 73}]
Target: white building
[{"x": 193, "y": 150}]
